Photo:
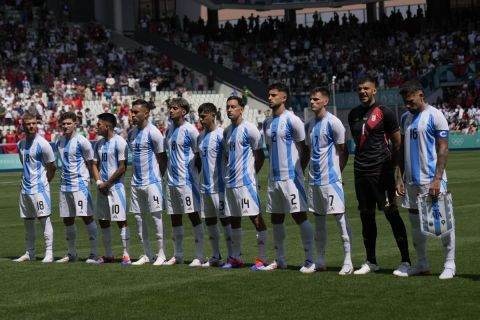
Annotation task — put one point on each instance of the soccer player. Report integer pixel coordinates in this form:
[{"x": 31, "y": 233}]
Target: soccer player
[
  {"x": 183, "y": 196},
  {"x": 284, "y": 135},
  {"x": 424, "y": 132},
  {"x": 243, "y": 146},
  {"x": 109, "y": 165},
  {"x": 149, "y": 159},
  {"x": 37, "y": 158},
  {"x": 373, "y": 126},
  {"x": 212, "y": 185},
  {"x": 76, "y": 154},
  {"x": 328, "y": 157}
]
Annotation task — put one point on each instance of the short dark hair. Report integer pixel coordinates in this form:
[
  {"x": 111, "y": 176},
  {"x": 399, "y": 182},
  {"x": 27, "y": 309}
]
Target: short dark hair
[
  {"x": 238, "y": 99},
  {"x": 68, "y": 115},
  {"x": 108, "y": 117},
  {"x": 180, "y": 102},
  {"x": 28, "y": 116},
  {"x": 280, "y": 87},
  {"x": 207, "y": 107},
  {"x": 367, "y": 79},
  {"x": 322, "y": 90},
  {"x": 143, "y": 103},
  {"x": 410, "y": 87}
]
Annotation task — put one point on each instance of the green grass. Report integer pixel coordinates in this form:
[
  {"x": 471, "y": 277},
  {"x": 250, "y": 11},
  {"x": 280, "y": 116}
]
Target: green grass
[{"x": 32, "y": 290}]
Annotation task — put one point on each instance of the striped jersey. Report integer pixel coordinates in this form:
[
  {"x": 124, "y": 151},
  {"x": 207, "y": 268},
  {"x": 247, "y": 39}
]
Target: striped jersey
[
  {"x": 420, "y": 132},
  {"x": 181, "y": 145},
  {"x": 109, "y": 153},
  {"x": 34, "y": 155},
  {"x": 144, "y": 145},
  {"x": 322, "y": 136},
  {"x": 210, "y": 145},
  {"x": 74, "y": 154},
  {"x": 240, "y": 142},
  {"x": 281, "y": 133}
]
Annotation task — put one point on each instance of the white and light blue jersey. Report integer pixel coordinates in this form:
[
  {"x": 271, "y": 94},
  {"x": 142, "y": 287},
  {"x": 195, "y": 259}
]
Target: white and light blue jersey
[
  {"x": 109, "y": 153},
  {"x": 322, "y": 137},
  {"x": 210, "y": 145},
  {"x": 281, "y": 134},
  {"x": 240, "y": 143},
  {"x": 34, "y": 155},
  {"x": 420, "y": 133},
  {"x": 181, "y": 146},
  {"x": 145, "y": 144},
  {"x": 74, "y": 154}
]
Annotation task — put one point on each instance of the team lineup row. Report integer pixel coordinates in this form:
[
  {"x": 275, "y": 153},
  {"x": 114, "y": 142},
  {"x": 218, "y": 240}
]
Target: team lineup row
[{"x": 212, "y": 174}]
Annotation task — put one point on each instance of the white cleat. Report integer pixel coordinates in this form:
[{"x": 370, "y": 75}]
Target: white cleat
[
  {"x": 346, "y": 270},
  {"x": 196, "y": 263},
  {"x": 274, "y": 266},
  {"x": 47, "y": 259},
  {"x": 448, "y": 273},
  {"x": 173, "y": 261},
  {"x": 402, "y": 270},
  {"x": 68, "y": 258},
  {"x": 367, "y": 267},
  {"x": 308, "y": 267},
  {"x": 159, "y": 261},
  {"x": 24, "y": 258},
  {"x": 141, "y": 261},
  {"x": 92, "y": 259}
]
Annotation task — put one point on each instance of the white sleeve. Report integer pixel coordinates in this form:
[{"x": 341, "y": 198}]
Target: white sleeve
[
  {"x": 255, "y": 138},
  {"x": 194, "y": 134},
  {"x": 87, "y": 150},
  {"x": 298, "y": 129},
  {"x": 122, "y": 149},
  {"x": 95, "y": 151},
  {"x": 47, "y": 153},
  {"x": 439, "y": 122},
  {"x": 338, "y": 131},
  {"x": 157, "y": 141}
]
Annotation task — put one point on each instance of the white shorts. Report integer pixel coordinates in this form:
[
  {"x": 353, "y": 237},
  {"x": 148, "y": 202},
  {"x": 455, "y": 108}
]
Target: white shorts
[
  {"x": 287, "y": 196},
  {"x": 412, "y": 191},
  {"x": 242, "y": 201},
  {"x": 35, "y": 205},
  {"x": 144, "y": 199},
  {"x": 75, "y": 204},
  {"x": 326, "y": 199},
  {"x": 213, "y": 205},
  {"x": 182, "y": 199},
  {"x": 114, "y": 206}
]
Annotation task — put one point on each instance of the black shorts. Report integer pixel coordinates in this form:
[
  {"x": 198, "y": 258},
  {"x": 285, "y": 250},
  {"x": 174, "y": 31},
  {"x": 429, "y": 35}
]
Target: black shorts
[{"x": 375, "y": 191}]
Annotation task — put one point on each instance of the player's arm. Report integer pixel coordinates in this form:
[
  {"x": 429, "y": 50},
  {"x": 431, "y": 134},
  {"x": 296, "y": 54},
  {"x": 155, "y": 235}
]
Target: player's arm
[
  {"x": 198, "y": 161},
  {"x": 122, "y": 167},
  {"x": 259, "y": 159},
  {"x": 396, "y": 140},
  {"x": 442, "y": 156},
  {"x": 51, "y": 168},
  {"x": 342, "y": 155},
  {"x": 401, "y": 168},
  {"x": 304, "y": 152},
  {"x": 162, "y": 162}
]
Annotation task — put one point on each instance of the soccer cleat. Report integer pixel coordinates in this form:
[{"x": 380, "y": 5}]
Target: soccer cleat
[
  {"x": 402, "y": 270},
  {"x": 346, "y": 270},
  {"x": 126, "y": 260},
  {"x": 159, "y": 261},
  {"x": 173, "y": 261},
  {"x": 367, "y": 267},
  {"x": 196, "y": 263},
  {"x": 141, "y": 261},
  {"x": 275, "y": 265},
  {"x": 448, "y": 273},
  {"x": 308, "y": 267},
  {"x": 103, "y": 259},
  {"x": 48, "y": 259},
  {"x": 259, "y": 265},
  {"x": 92, "y": 259},
  {"x": 68, "y": 258},
  {"x": 26, "y": 257},
  {"x": 233, "y": 263},
  {"x": 419, "y": 270},
  {"x": 213, "y": 262},
  {"x": 320, "y": 268}
]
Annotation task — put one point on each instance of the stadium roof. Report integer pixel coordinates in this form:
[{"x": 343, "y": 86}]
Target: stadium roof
[{"x": 278, "y": 4}]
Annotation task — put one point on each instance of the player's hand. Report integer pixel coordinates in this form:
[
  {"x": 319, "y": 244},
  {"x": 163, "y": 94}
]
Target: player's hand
[
  {"x": 400, "y": 188},
  {"x": 434, "y": 188},
  {"x": 103, "y": 188}
]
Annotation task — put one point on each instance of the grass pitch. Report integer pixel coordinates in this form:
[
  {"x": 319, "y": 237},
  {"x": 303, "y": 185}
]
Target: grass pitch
[{"x": 112, "y": 291}]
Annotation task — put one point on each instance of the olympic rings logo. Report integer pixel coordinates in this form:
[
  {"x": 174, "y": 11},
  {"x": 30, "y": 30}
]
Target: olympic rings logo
[{"x": 457, "y": 141}]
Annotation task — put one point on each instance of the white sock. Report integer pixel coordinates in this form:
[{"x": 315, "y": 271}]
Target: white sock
[
  {"x": 419, "y": 240},
  {"x": 125, "y": 236},
  {"x": 321, "y": 238},
  {"x": 306, "y": 231},
  {"x": 198, "y": 237},
  {"x": 158, "y": 223},
  {"x": 71, "y": 236},
  {"x": 30, "y": 236},
  {"x": 214, "y": 237},
  {"x": 237, "y": 243},
  {"x": 346, "y": 236},
  {"x": 177, "y": 242},
  {"x": 47, "y": 235},
  {"x": 262, "y": 245},
  {"x": 279, "y": 235},
  {"x": 92, "y": 237},
  {"x": 449, "y": 247},
  {"x": 107, "y": 241},
  {"x": 142, "y": 229},
  {"x": 227, "y": 231}
]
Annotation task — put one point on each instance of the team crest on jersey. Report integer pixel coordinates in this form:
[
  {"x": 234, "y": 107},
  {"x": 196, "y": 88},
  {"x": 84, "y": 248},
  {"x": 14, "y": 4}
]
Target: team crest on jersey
[{"x": 374, "y": 117}]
